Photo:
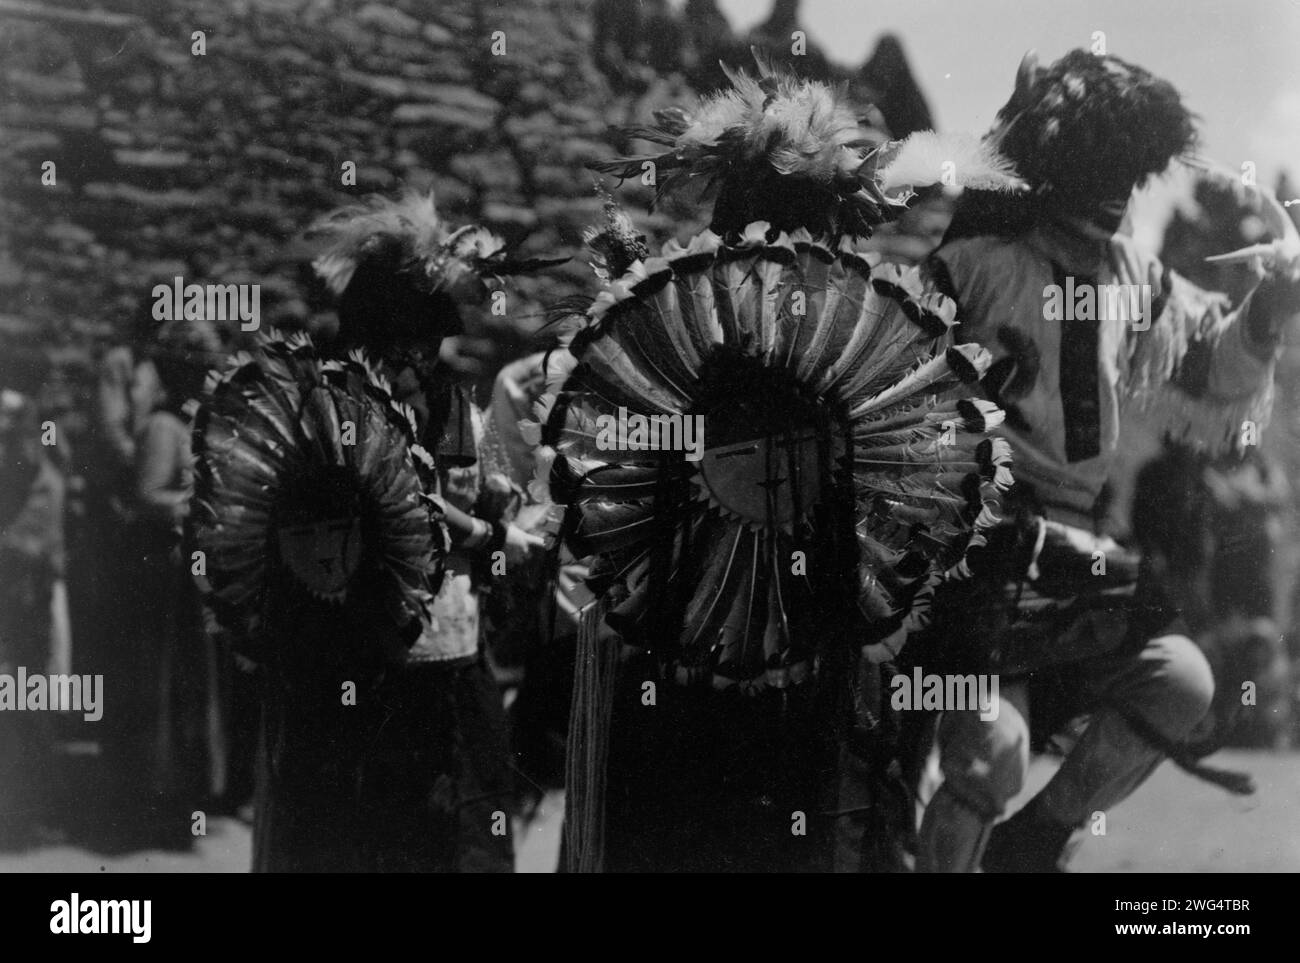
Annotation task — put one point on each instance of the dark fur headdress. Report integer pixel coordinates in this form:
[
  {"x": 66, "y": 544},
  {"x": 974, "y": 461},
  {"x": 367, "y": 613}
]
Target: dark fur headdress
[
  {"x": 1084, "y": 133},
  {"x": 1093, "y": 127}
]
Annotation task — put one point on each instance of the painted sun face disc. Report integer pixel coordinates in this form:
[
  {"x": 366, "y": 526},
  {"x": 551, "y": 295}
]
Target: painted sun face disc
[
  {"x": 766, "y": 478},
  {"x": 322, "y": 555}
]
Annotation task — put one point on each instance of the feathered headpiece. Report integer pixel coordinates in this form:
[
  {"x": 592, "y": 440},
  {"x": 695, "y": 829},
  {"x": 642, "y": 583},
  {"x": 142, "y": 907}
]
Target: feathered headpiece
[
  {"x": 400, "y": 272},
  {"x": 616, "y": 243},
  {"x": 793, "y": 153}
]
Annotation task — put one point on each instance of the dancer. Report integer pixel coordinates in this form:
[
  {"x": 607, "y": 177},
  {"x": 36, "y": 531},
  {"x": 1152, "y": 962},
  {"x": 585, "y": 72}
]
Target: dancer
[
  {"x": 383, "y": 746},
  {"x": 1062, "y": 605},
  {"x": 738, "y": 573}
]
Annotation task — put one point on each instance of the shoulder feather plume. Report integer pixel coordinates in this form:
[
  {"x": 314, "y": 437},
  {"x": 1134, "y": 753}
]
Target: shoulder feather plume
[
  {"x": 926, "y": 157},
  {"x": 615, "y": 243}
]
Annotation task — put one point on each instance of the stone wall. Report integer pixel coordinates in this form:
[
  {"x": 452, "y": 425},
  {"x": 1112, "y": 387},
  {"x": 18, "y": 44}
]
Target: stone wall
[{"x": 168, "y": 162}]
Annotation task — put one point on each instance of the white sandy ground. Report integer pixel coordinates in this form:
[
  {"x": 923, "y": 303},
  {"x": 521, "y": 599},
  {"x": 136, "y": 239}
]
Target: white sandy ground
[{"x": 1173, "y": 824}]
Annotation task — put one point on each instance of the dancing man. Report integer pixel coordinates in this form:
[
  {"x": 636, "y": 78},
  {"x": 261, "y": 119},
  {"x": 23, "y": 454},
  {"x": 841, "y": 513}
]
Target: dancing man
[{"x": 1084, "y": 329}]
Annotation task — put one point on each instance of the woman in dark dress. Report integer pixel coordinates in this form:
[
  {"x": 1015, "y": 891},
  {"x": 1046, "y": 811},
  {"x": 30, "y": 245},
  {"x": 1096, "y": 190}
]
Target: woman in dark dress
[{"x": 160, "y": 698}]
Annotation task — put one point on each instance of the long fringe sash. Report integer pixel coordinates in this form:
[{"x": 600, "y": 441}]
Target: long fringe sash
[{"x": 588, "y": 746}]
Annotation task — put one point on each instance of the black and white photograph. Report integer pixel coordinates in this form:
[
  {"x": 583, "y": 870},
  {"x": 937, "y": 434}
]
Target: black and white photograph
[{"x": 651, "y": 437}]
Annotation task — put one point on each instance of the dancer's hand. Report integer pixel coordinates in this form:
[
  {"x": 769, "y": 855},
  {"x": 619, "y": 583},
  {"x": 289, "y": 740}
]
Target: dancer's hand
[
  {"x": 467, "y": 355},
  {"x": 1279, "y": 259},
  {"x": 1286, "y": 249},
  {"x": 520, "y": 545},
  {"x": 1131, "y": 265}
]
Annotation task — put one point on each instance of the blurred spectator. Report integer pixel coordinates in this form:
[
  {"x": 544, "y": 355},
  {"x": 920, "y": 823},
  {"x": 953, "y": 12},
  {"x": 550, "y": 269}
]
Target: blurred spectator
[
  {"x": 1209, "y": 530},
  {"x": 31, "y": 559},
  {"x": 100, "y": 505},
  {"x": 1247, "y": 568},
  {"x": 162, "y": 721}
]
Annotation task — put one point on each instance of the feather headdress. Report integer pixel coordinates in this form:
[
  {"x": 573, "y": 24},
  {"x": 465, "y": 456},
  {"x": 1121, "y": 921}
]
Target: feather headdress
[
  {"x": 408, "y": 235},
  {"x": 401, "y": 272},
  {"x": 794, "y": 153}
]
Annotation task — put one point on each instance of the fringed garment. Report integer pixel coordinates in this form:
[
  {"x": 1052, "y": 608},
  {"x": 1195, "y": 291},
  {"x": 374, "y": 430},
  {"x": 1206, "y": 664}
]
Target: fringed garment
[{"x": 1068, "y": 386}]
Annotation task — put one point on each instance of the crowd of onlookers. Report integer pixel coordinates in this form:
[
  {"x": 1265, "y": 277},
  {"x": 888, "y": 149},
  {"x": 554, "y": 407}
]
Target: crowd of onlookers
[{"x": 97, "y": 584}]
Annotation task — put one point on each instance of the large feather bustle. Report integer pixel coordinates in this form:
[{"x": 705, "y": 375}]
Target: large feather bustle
[
  {"x": 923, "y": 478},
  {"x": 271, "y": 423}
]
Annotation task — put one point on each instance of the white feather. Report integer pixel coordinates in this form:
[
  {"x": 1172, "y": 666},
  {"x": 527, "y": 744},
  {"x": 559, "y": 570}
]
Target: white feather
[{"x": 924, "y": 158}]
